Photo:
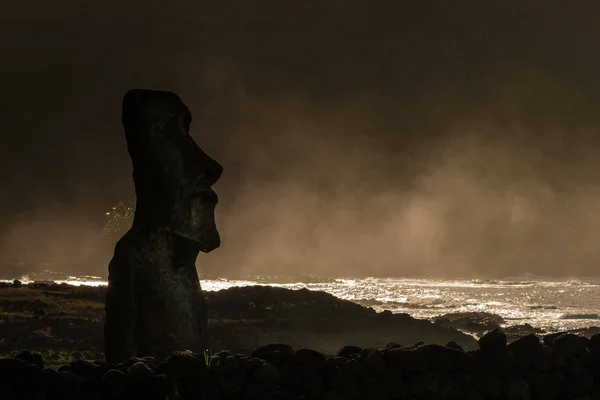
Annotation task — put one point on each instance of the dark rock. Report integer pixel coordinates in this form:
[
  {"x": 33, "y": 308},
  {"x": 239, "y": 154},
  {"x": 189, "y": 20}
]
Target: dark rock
[
  {"x": 567, "y": 346},
  {"x": 331, "y": 395},
  {"x": 543, "y": 360},
  {"x": 346, "y": 351},
  {"x": 473, "y": 394},
  {"x": 355, "y": 368},
  {"x": 55, "y": 384},
  {"x": 71, "y": 377},
  {"x": 527, "y": 346},
  {"x": 406, "y": 359},
  {"x": 250, "y": 364},
  {"x": 548, "y": 339},
  {"x": 184, "y": 364},
  {"x": 436, "y": 385},
  {"x": 372, "y": 389},
  {"x": 228, "y": 389},
  {"x": 261, "y": 392},
  {"x": 30, "y": 358},
  {"x": 579, "y": 380},
  {"x": 517, "y": 389},
  {"x": 439, "y": 358},
  {"x": 86, "y": 369},
  {"x": 595, "y": 342},
  {"x": 140, "y": 370},
  {"x": 543, "y": 386},
  {"x": 455, "y": 346},
  {"x": 393, "y": 383},
  {"x": 17, "y": 371},
  {"x": 113, "y": 381},
  {"x": 493, "y": 341},
  {"x": 17, "y": 283},
  {"x": 346, "y": 384},
  {"x": 375, "y": 363},
  {"x": 487, "y": 381},
  {"x": 162, "y": 386},
  {"x": 302, "y": 379},
  {"x": 475, "y": 322},
  {"x": 173, "y": 222},
  {"x": 275, "y": 353},
  {"x": 308, "y": 358},
  {"x": 267, "y": 374}
]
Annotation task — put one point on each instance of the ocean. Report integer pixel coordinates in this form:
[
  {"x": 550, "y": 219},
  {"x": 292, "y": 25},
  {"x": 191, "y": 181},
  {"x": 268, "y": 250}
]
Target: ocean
[{"x": 542, "y": 302}]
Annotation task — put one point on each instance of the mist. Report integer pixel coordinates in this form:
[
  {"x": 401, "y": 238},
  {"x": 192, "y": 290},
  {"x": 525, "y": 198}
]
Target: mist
[{"x": 420, "y": 141}]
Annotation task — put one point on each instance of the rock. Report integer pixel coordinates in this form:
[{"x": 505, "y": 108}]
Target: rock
[
  {"x": 455, "y": 346},
  {"x": 475, "y": 322},
  {"x": 129, "y": 362},
  {"x": 346, "y": 351},
  {"x": 307, "y": 358},
  {"x": 493, "y": 341},
  {"x": 543, "y": 386},
  {"x": 393, "y": 383},
  {"x": 568, "y": 346},
  {"x": 86, "y": 369},
  {"x": 30, "y": 358},
  {"x": 17, "y": 284},
  {"x": 331, "y": 395},
  {"x": 439, "y": 358},
  {"x": 486, "y": 381},
  {"x": 113, "y": 381},
  {"x": 406, "y": 359},
  {"x": 228, "y": 389},
  {"x": 274, "y": 353},
  {"x": 140, "y": 371},
  {"x": 595, "y": 341},
  {"x": 302, "y": 379},
  {"x": 346, "y": 384},
  {"x": 527, "y": 346},
  {"x": 267, "y": 374},
  {"x": 517, "y": 389},
  {"x": 184, "y": 364},
  {"x": 548, "y": 339},
  {"x": 14, "y": 370},
  {"x": 162, "y": 386},
  {"x": 153, "y": 286},
  {"x": 372, "y": 389},
  {"x": 250, "y": 364},
  {"x": 436, "y": 385},
  {"x": 55, "y": 384},
  {"x": 579, "y": 380},
  {"x": 375, "y": 363}
]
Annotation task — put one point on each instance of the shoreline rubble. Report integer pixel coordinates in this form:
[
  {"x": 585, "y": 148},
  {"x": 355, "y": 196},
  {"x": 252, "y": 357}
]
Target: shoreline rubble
[{"x": 563, "y": 366}]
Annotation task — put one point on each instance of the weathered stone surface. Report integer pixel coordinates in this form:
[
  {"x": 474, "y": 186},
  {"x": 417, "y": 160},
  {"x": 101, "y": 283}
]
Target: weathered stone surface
[
  {"x": 493, "y": 341},
  {"x": 396, "y": 372},
  {"x": 154, "y": 303}
]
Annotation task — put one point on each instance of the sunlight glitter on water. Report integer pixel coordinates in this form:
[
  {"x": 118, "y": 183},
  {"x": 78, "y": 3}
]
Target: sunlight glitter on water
[{"x": 548, "y": 304}]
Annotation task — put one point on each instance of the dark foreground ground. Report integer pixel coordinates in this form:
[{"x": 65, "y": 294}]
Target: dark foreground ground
[
  {"x": 51, "y": 343},
  {"x": 62, "y": 321},
  {"x": 563, "y": 366}
]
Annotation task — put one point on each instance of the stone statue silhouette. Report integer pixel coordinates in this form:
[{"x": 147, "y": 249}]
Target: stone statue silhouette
[{"x": 154, "y": 302}]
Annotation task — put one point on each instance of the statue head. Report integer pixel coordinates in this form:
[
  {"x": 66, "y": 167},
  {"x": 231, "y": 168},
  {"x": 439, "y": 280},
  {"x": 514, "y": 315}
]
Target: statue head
[{"x": 172, "y": 175}]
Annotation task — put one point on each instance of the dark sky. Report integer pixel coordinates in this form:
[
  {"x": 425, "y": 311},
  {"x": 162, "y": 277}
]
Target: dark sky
[{"x": 357, "y": 137}]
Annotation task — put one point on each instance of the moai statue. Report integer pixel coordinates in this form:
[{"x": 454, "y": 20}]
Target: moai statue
[{"x": 154, "y": 302}]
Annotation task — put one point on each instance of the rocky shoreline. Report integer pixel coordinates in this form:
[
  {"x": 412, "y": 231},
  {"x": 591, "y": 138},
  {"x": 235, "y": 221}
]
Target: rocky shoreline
[
  {"x": 63, "y": 321},
  {"x": 563, "y": 366}
]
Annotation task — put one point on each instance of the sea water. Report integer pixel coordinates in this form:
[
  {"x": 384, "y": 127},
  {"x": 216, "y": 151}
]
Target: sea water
[{"x": 546, "y": 303}]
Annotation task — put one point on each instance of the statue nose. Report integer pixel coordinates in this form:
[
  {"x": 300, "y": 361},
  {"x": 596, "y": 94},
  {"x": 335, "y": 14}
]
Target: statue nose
[
  {"x": 212, "y": 175},
  {"x": 207, "y": 172}
]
